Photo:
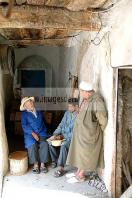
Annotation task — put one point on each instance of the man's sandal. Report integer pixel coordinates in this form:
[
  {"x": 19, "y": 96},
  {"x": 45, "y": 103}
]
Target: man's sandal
[
  {"x": 74, "y": 180},
  {"x": 70, "y": 175},
  {"x": 59, "y": 173}
]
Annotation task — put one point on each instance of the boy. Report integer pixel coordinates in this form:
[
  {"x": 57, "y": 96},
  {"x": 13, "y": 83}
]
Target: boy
[{"x": 64, "y": 131}]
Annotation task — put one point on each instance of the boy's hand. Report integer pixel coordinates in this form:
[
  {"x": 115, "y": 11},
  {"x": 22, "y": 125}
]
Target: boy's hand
[
  {"x": 52, "y": 138},
  {"x": 36, "y": 137},
  {"x": 60, "y": 137},
  {"x": 56, "y": 137}
]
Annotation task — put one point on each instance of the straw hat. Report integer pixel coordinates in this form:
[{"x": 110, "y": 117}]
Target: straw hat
[
  {"x": 25, "y": 99},
  {"x": 85, "y": 86}
]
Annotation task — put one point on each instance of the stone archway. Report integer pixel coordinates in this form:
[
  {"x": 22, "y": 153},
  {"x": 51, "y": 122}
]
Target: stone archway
[{"x": 34, "y": 62}]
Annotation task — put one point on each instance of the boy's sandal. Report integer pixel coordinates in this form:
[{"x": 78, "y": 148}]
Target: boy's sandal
[
  {"x": 35, "y": 171},
  {"x": 59, "y": 173},
  {"x": 43, "y": 169}
]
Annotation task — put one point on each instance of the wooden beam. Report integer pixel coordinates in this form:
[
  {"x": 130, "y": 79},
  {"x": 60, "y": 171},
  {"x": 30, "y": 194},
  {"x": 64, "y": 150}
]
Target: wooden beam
[
  {"x": 48, "y": 42},
  {"x": 114, "y": 153},
  {"x": 36, "y": 34},
  {"x": 37, "y": 17}
]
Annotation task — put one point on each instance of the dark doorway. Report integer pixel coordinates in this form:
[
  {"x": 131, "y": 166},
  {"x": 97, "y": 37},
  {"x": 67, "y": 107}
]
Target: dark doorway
[
  {"x": 33, "y": 78},
  {"x": 124, "y": 131}
]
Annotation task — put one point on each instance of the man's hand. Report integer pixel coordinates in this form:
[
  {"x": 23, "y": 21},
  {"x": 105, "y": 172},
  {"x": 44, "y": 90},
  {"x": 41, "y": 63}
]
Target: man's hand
[{"x": 35, "y": 136}]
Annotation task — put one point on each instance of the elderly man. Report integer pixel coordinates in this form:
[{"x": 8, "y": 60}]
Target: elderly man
[
  {"x": 86, "y": 149},
  {"x": 35, "y": 135}
]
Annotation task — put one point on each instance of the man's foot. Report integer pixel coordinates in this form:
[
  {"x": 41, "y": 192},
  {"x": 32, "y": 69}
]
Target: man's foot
[
  {"x": 59, "y": 173},
  {"x": 43, "y": 169},
  {"x": 80, "y": 174},
  {"x": 54, "y": 165}
]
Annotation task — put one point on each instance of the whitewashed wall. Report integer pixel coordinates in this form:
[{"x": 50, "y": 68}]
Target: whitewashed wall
[
  {"x": 120, "y": 21},
  {"x": 95, "y": 69},
  {"x": 68, "y": 62}
]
